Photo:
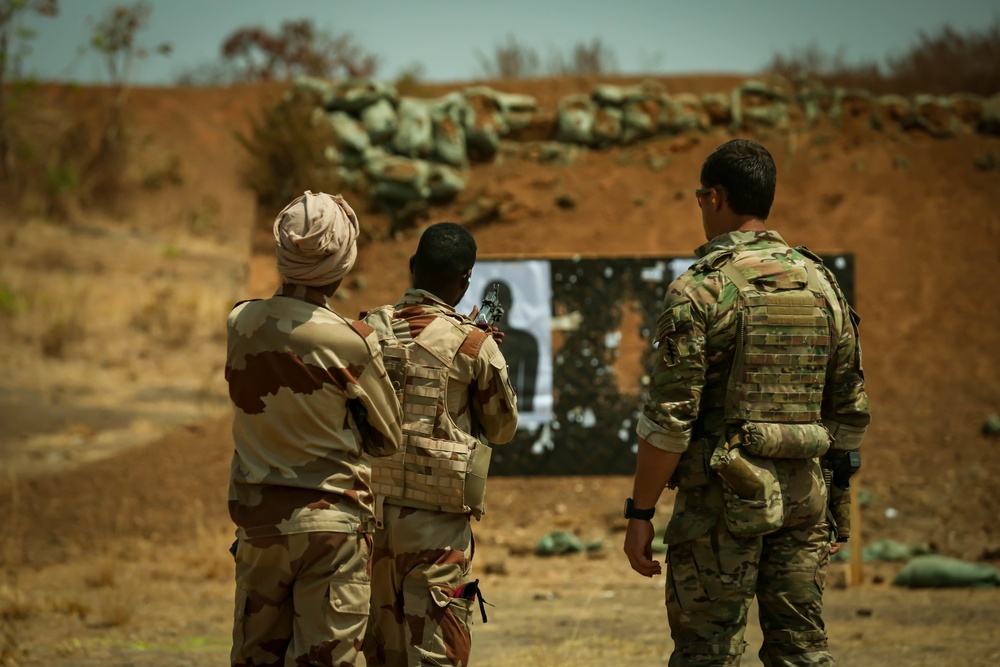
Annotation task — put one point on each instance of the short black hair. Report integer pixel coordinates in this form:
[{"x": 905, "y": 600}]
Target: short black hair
[
  {"x": 745, "y": 171},
  {"x": 445, "y": 250}
]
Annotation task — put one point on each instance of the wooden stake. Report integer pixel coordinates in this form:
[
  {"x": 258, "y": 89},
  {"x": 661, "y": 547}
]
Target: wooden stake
[{"x": 857, "y": 544}]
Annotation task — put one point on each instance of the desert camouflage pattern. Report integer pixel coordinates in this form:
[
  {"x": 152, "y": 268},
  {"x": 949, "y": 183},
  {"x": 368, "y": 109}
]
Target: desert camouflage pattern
[
  {"x": 423, "y": 548},
  {"x": 455, "y": 388},
  {"x": 299, "y": 374},
  {"x": 699, "y": 405},
  {"x": 301, "y": 599},
  {"x": 419, "y": 562}
]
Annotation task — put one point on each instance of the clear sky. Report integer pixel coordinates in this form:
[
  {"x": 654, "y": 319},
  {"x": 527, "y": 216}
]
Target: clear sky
[{"x": 444, "y": 36}]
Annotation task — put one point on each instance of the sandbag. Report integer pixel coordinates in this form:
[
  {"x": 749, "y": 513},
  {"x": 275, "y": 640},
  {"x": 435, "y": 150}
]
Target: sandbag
[
  {"x": 934, "y": 571},
  {"x": 379, "y": 120},
  {"x": 415, "y": 132}
]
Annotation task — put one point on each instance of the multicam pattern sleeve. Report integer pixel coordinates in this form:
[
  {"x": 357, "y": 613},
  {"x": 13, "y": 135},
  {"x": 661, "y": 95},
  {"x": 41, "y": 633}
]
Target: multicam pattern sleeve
[
  {"x": 293, "y": 365},
  {"x": 683, "y": 360}
]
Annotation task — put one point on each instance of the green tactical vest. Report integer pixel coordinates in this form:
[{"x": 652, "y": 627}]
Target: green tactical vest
[
  {"x": 782, "y": 350},
  {"x": 439, "y": 467}
]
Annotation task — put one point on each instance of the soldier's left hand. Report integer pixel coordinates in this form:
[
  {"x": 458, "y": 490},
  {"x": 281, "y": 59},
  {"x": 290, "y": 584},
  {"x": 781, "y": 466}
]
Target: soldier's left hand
[{"x": 639, "y": 548}]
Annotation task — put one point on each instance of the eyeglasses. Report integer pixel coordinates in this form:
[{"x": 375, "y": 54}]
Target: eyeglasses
[{"x": 701, "y": 192}]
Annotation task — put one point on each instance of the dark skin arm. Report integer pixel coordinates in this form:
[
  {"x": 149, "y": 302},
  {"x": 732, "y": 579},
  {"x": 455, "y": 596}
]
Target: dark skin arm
[{"x": 653, "y": 469}]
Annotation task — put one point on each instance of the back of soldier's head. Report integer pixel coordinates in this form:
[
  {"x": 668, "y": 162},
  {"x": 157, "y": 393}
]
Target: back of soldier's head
[
  {"x": 446, "y": 250},
  {"x": 745, "y": 171}
]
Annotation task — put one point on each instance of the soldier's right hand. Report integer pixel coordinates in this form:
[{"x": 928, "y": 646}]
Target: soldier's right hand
[{"x": 639, "y": 548}]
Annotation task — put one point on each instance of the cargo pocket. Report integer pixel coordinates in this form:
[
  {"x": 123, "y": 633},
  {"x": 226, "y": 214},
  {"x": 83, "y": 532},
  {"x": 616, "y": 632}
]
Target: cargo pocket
[
  {"x": 694, "y": 575},
  {"x": 454, "y": 620},
  {"x": 350, "y": 597}
]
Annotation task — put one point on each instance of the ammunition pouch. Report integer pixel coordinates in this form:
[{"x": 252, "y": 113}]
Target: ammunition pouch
[{"x": 750, "y": 490}]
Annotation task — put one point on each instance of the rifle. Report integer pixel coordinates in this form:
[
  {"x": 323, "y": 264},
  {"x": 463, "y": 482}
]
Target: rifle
[{"x": 492, "y": 311}]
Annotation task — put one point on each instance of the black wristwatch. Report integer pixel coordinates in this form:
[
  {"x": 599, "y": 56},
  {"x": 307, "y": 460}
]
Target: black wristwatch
[{"x": 631, "y": 512}]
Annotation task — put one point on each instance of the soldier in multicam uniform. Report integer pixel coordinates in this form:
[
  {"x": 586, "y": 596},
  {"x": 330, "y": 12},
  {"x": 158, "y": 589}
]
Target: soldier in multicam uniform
[
  {"x": 757, "y": 389},
  {"x": 311, "y": 400},
  {"x": 452, "y": 381}
]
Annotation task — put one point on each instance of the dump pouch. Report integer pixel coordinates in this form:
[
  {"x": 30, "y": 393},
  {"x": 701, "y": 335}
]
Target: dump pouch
[
  {"x": 750, "y": 489},
  {"x": 785, "y": 441}
]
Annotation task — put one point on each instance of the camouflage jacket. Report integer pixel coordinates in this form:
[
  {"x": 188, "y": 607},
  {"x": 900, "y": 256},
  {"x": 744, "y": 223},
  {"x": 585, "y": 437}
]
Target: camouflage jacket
[
  {"x": 300, "y": 378},
  {"x": 481, "y": 399},
  {"x": 696, "y": 337}
]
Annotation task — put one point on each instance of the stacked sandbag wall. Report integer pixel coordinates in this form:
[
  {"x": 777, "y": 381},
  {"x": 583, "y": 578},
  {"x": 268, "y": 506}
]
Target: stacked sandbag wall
[{"x": 408, "y": 151}]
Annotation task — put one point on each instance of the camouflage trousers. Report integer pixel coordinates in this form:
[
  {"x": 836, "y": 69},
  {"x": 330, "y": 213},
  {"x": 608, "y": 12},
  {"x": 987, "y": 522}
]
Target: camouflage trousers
[
  {"x": 712, "y": 579},
  {"x": 301, "y": 599},
  {"x": 420, "y": 559}
]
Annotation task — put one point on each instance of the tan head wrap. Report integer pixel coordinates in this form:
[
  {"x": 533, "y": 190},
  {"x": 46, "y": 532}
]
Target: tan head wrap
[{"x": 316, "y": 239}]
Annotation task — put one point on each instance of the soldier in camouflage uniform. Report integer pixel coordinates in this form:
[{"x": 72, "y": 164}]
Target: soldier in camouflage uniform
[
  {"x": 311, "y": 400},
  {"x": 452, "y": 381},
  {"x": 757, "y": 388}
]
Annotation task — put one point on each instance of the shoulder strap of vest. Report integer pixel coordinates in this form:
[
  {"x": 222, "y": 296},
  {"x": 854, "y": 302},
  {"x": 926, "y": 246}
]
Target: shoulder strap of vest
[
  {"x": 736, "y": 277},
  {"x": 713, "y": 260},
  {"x": 817, "y": 261},
  {"x": 446, "y": 347}
]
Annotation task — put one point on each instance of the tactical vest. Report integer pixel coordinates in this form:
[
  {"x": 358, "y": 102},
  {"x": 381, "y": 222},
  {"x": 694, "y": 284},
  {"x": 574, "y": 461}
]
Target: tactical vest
[
  {"x": 773, "y": 400},
  {"x": 439, "y": 467},
  {"x": 783, "y": 347}
]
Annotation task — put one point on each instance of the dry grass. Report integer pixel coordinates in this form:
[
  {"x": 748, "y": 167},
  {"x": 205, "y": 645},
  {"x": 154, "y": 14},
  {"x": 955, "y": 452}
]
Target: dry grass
[
  {"x": 14, "y": 604},
  {"x": 938, "y": 63},
  {"x": 104, "y": 573},
  {"x": 117, "y": 606}
]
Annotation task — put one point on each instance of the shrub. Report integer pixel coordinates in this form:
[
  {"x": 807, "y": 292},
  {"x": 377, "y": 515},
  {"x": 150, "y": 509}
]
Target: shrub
[
  {"x": 286, "y": 156},
  {"x": 938, "y": 63},
  {"x": 510, "y": 60}
]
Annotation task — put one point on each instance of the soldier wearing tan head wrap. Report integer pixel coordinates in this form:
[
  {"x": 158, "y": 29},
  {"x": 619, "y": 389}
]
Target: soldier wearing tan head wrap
[
  {"x": 316, "y": 239},
  {"x": 311, "y": 402}
]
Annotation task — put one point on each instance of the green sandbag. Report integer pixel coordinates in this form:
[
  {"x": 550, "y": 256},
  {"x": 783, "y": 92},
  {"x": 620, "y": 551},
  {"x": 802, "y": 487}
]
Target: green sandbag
[
  {"x": 934, "y": 571},
  {"x": 891, "y": 550},
  {"x": 562, "y": 542}
]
